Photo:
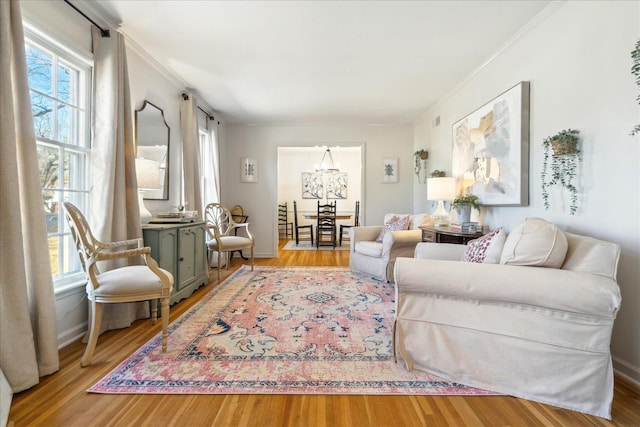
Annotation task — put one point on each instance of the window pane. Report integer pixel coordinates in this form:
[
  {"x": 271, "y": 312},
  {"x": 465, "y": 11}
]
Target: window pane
[
  {"x": 70, "y": 255},
  {"x": 67, "y": 84},
  {"x": 64, "y": 124},
  {"x": 39, "y": 70},
  {"x": 42, "y": 108},
  {"x": 53, "y": 255},
  {"x": 49, "y": 166},
  {"x": 75, "y": 173}
]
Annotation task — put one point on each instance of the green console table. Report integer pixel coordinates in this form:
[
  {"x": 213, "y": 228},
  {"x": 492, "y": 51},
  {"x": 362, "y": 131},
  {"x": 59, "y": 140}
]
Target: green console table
[{"x": 180, "y": 249}]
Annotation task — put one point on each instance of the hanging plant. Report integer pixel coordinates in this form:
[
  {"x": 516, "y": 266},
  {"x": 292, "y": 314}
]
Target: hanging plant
[
  {"x": 635, "y": 70},
  {"x": 438, "y": 174},
  {"x": 562, "y": 150},
  {"x": 419, "y": 156}
]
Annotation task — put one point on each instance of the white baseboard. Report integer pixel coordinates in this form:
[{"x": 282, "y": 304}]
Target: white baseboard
[
  {"x": 626, "y": 371},
  {"x": 71, "y": 335}
]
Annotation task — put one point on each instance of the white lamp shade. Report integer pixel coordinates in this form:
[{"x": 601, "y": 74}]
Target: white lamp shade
[
  {"x": 148, "y": 174},
  {"x": 443, "y": 188}
]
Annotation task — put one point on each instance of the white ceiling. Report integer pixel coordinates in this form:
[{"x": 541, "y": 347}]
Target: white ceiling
[{"x": 338, "y": 62}]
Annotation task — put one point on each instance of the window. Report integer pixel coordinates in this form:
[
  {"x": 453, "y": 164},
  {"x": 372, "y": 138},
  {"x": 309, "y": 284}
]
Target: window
[{"x": 59, "y": 89}]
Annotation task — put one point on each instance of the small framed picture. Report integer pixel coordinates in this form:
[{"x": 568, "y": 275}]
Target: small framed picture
[
  {"x": 249, "y": 170},
  {"x": 390, "y": 170}
]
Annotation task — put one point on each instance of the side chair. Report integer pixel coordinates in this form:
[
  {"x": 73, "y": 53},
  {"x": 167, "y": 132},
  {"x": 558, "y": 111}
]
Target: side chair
[
  {"x": 301, "y": 230},
  {"x": 356, "y": 223},
  {"x": 221, "y": 232},
  {"x": 146, "y": 282}
]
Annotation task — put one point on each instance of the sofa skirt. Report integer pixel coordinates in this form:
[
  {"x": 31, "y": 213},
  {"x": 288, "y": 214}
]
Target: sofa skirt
[{"x": 544, "y": 355}]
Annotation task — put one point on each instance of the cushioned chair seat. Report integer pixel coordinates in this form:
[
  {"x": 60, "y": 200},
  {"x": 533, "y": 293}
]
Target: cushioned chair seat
[
  {"x": 230, "y": 243},
  {"x": 137, "y": 280}
]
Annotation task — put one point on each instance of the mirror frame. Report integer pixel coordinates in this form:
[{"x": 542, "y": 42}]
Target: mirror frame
[{"x": 165, "y": 189}]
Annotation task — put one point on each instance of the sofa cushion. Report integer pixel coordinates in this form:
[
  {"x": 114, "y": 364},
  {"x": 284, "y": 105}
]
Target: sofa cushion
[
  {"x": 535, "y": 242},
  {"x": 487, "y": 248},
  {"x": 369, "y": 248},
  {"x": 591, "y": 256},
  {"x": 395, "y": 223}
]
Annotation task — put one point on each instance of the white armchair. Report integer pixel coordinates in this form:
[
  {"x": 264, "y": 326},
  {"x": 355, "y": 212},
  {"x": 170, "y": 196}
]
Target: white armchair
[{"x": 377, "y": 258}]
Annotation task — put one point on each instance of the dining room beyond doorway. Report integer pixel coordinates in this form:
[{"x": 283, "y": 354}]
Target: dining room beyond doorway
[{"x": 325, "y": 174}]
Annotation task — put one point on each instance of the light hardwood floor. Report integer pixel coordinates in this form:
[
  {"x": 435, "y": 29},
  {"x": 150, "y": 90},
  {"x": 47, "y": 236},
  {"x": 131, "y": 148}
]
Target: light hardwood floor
[{"x": 61, "y": 400}]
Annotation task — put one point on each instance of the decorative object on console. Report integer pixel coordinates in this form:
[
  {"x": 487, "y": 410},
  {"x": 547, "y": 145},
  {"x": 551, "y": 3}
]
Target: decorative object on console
[
  {"x": 491, "y": 149},
  {"x": 440, "y": 189},
  {"x": 438, "y": 174},
  {"x": 249, "y": 170},
  {"x": 462, "y": 205},
  {"x": 420, "y": 163},
  {"x": 148, "y": 178},
  {"x": 390, "y": 170},
  {"x": 564, "y": 160}
]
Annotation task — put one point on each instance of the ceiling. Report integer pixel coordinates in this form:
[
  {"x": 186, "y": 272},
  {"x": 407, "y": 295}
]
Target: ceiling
[{"x": 337, "y": 62}]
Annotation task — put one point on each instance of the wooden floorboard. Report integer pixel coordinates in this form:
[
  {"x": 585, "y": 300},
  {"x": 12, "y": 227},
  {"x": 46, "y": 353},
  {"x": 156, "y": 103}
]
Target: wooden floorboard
[{"x": 61, "y": 400}]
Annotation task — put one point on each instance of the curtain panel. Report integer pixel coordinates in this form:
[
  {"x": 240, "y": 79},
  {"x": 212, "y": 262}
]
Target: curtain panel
[
  {"x": 28, "y": 336},
  {"x": 115, "y": 214},
  {"x": 190, "y": 152}
]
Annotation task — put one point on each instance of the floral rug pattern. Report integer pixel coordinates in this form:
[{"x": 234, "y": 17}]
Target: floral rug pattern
[{"x": 280, "y": 330}]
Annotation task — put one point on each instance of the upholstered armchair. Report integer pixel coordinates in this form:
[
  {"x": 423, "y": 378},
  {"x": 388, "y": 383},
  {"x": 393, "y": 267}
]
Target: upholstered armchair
[
  {"x": 376, "y": 258},
  {"x": 125, "y": 284}
]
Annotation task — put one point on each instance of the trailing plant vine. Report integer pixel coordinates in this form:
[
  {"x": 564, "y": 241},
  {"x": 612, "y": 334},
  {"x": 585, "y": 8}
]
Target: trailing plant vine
[
  {"x": 562, "y": 149},
  {"x": 635, "y": 70}
]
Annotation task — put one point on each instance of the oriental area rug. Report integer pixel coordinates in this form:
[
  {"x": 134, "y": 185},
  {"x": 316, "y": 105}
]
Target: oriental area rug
[{"x": 304, "y": 330}]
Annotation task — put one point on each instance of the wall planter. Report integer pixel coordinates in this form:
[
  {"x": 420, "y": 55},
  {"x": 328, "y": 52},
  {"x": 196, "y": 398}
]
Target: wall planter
[
  {"x": 420, "y": 163},
  {"x": 561, "y": 157}
]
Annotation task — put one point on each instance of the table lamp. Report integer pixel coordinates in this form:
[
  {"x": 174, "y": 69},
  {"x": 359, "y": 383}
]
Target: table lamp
[
  {"x": 441, "y": 189},
  {"x": 148, "y": 177}
]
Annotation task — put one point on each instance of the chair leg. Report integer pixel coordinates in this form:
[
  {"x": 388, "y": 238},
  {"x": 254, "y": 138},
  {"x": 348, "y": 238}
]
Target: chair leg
[
  {"x": 251, "y": 258},
  {"x": 219, "y": 264},
  {"x": 154, "y": 310},
  {"x": 94, "y": 328},
  {"x": 165, "y": 322}
]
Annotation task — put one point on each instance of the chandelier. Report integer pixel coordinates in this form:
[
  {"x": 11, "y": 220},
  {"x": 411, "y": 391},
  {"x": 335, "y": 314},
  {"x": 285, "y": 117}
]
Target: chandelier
[{"x": 326, "y": 165}]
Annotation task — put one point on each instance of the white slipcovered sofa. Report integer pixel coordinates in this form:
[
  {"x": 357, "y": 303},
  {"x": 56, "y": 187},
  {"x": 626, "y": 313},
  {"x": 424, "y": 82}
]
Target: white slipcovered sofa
[
  {"x": 377, "y": 258},
  {"x": 539, "y": 331}
]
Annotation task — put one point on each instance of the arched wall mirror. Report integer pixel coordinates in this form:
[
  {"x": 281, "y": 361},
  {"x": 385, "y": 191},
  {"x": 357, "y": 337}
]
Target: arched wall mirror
[{"x": 152, "y": 143}]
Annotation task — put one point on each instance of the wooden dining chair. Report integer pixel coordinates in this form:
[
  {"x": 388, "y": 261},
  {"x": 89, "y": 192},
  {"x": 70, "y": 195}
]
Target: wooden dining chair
[
  {"x": 356, "y": 223},
  {"x": 326, "y": 233},
  {"x": 285, "y": 228},
  {"x": 125, "y": 284},
  {"x": 303, "y": 232}
]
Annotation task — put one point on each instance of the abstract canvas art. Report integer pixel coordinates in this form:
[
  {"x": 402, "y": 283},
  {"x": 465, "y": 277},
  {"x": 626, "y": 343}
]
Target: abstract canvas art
[{"x": 491, "y": 150}]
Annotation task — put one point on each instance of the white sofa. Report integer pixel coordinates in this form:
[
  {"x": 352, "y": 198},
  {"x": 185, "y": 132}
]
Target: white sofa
[
  {"x": 377, "y": 258},
  {"x": 533, "y": 332}
]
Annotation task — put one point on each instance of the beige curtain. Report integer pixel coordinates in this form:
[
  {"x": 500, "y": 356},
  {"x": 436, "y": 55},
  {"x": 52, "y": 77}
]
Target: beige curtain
[
  {"x": 190, "y": 152},
  {"x": 28, "y": 347},
  {"x": 115, "y": 214}
]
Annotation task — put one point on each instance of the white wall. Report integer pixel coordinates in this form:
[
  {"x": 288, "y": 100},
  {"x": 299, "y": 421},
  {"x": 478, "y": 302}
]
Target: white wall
[
  {"x": 578, "y": 62},
  {"x": 260, "y": 199}
]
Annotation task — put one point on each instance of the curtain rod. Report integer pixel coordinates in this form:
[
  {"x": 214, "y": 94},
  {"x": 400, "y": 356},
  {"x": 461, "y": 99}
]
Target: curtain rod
[{"x": 103, "y": 32}]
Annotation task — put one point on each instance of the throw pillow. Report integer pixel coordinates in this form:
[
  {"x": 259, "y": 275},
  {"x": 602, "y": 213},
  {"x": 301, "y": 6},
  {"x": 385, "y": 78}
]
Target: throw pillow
[
  {"x": 486, "y": 249},
  {"x": 535, "y": 242},
  {"x": 394, "y": 224}
]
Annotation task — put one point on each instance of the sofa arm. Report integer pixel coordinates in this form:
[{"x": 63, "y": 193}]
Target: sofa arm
[
  {"x": 367, "y": 233},
  {"x": 552, "y": 288},
  {"x": 400, "y": 243},
  {"x": 441, "y": 251}
]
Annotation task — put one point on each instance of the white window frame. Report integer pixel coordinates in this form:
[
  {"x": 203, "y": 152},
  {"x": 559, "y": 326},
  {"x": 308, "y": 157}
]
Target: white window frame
[{"x": 70, "y": 273}]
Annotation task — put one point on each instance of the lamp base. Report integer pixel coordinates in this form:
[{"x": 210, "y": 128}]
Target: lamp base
[
  {"x": 145, "y": 215},
  {"x": 440, "y": 218}
]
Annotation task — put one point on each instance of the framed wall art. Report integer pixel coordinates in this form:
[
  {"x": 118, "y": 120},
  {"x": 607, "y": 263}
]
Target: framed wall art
[
  {"x": 491, "y": 150},
  {"x": 390, "y": 170},
  {"x": 249, "y": 170},
  {"x": 312, "y": 185},
  {"x": 336, "y": 185}
]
